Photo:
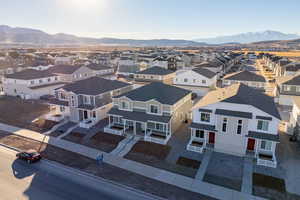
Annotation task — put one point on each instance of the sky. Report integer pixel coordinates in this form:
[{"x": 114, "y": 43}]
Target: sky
[{"x": 152, "y": 19}]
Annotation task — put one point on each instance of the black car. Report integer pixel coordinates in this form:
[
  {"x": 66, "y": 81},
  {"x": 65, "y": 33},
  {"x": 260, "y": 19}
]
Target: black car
[{"x": 29, "y": 156}]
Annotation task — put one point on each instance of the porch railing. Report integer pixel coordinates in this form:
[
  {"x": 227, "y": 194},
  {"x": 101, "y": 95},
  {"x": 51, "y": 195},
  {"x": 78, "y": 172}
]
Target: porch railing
[
  {"x": 150, "y": 137},
  {"x": 192, "y": 146},
  {"x": 114, "y": 128}
]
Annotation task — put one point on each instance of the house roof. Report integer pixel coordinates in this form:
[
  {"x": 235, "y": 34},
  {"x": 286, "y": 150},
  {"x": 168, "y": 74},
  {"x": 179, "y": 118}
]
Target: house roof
[
  {"x": 204, "y": 72},
  {"x": 292, "y": 81},
  {"x": 156, "y": 71},
  {"x": 241, "y": 94},
  {"x": 293, "y": 67},
  {"x": 245, "y": 76},
  {"x": 64, "y": 69},
  {"x": 94, "y": 86},
  {"x": 165, "y": 94},
  {"x": 97, "y": 67},
  {"x": 264, "y": 136},
  {"x": 30, "y": 74},
  {"x": 203, "y": 126}
]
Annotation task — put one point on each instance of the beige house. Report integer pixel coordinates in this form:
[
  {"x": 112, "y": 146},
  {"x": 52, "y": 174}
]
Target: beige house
[
  {"x": 155, "y": 74},
  {"x": 153, "y": 111}
]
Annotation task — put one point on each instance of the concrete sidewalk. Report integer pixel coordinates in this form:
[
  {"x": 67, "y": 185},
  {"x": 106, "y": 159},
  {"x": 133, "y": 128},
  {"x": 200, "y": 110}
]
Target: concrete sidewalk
[{"x": 184, "y": 182}]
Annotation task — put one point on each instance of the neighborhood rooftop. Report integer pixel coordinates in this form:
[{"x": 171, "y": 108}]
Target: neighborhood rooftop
[
  {"x": 241, "y": 94},
  {"x": 205, "y": 72},
  {"x": 156, "y": 70},
  {"x": 30, "y": 74},
  {"x": 94, "y": 86},
  {"x": 160, "y": 92},
  {"x": 245, "y": 76}
]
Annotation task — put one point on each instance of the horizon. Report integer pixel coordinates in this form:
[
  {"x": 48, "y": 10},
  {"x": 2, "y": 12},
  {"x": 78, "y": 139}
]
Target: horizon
[{"x": 197, "y": 19}]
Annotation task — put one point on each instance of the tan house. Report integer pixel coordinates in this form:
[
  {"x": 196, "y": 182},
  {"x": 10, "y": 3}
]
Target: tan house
[
  {"x": 155, "y": 74},
  {"x": 153, "y": 111}
]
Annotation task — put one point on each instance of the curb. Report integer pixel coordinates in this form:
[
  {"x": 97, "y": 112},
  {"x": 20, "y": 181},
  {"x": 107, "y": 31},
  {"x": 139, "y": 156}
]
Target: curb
[{"x": 53, "y": 164}]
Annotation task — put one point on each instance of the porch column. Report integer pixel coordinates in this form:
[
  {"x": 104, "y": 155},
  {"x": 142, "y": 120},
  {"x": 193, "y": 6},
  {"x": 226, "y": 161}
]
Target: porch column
[
  {"x": 134, "y": 127},
  {"x": 109, "y": 120},
  {"x": 257, "y": 142},
  {"x": 145, "y": 129}
]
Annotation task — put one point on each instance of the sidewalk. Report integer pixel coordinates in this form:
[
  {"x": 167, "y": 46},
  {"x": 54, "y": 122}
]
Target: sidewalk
[{"x": 187, "y": 183}]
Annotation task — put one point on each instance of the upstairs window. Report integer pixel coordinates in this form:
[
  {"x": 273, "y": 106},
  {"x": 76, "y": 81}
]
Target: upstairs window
[
  {"x": 204, "y": 81},
  {"x": 205, "y": 117},
  {"x": 239, "y": 127},
  {"x": 262, "y": 125},
  {"x": 40, "y": 81},
  {"x": 31, "y": 82},
  {"x": 125, "y": 105},
  {"x": 153, "y": 109},
  {"x": 224, "y": 125}
]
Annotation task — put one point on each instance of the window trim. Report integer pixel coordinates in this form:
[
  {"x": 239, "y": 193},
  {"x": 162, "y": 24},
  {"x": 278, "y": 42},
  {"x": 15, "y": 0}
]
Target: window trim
[
  {"x": 224, "y": 122},
  {"x": 263, "y": 121},
  {"x": 205, "y": 113}
]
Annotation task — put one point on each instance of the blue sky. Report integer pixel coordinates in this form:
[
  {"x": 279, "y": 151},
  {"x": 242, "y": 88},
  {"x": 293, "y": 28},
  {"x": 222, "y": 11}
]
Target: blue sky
[{"x": 145, "y": 19}]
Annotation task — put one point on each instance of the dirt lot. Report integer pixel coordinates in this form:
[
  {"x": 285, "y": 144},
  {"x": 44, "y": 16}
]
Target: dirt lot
[
  {"x": 105, "y": 171},
  {"x": 155, "y": 155},
  {"x": 21, "y": 113},
  {"x": 42, "y": 125}
]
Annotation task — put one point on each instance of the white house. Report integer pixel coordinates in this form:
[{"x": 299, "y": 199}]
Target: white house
[
  {"x": 199, "y": 80},
  {"x": 236, "y": 120}
]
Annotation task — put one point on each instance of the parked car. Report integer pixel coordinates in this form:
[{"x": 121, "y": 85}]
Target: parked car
[{"x": 29, "y": 156}]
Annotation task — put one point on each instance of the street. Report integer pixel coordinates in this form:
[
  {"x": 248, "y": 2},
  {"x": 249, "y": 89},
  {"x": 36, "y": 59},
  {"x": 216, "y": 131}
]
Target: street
[{"x": 20, "y": 181}]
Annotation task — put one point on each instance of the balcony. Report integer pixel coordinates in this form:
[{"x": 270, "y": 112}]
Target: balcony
[
  {"x": 265, "y": 159},
  {"x": 157, "y": 137},
  {"x": 116, "y": 129},
  {"x": 196, "y": 145}
]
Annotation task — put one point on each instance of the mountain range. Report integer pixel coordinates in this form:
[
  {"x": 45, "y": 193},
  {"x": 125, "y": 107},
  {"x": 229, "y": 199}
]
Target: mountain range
[
  {"x": 16, "y": 35},
  {"x": 250, "y": 37}
]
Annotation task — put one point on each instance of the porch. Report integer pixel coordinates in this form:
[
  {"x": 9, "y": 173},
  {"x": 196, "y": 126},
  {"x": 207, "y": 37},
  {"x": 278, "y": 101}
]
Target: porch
[
  {"x": 59, "y": 110},
  {"x": 87, "y": 118}
]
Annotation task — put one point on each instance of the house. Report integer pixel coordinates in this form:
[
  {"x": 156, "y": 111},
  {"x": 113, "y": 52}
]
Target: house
[
  {"x": 161, "y": 62},
  {"x": 236, "y": 120},
  {"x": 291, "y": 69},
  {"x": 294, "y": 122},
  {"x": 155, "y": 74},
  {"x": 286, "y": 88},
  {"x": 154, "y": 112},
  {"x": 87, "y": 101},
  {"x": 251, "y": 79},
  {"x": 31, "y": 84},
  {"x": 199, "y": 80},
  {"x": 101, "y": 70}
]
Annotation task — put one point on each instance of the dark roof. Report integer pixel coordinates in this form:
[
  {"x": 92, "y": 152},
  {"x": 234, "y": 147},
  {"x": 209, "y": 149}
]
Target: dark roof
[
  {"x": 94, "y": 86},
  {"x": 98, "y": 67},
  {"x": 208, "y": 65},
  {"x": 165, "y": 94},
  {"x": 156, "y": 71},
  {"x": 293, "y": 81},
  {"x": 64, "y": 69},
  {"x": 58, "y": 102},
  {"x": 264, "y": 136},
  {"x": 241, "y": 94},
  {"x": 245, "y": 76},
  {"x": 47, "y": 85},
  {"x": 293, "y": 67},
  {"x": 204, "y": 72},
  {"x": 234, "y": 113},
  {"x": 30, "y": 74},
  {"x": 139, "y": 116},
  {"x": 203, "y": 126}
]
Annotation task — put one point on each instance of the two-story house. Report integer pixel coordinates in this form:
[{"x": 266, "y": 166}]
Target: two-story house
[
  {"x": 31, "y": 84},
  {"x": 287, "y": 87},
  {"x": 155, "y": 74},
  {"x": 236, "y": 120},
  {"x": 199, "y": 80},
  {"x": 88, "y": 100},
  {"x": 246, "y": 77},
  {"x": 153, "y": 111}
]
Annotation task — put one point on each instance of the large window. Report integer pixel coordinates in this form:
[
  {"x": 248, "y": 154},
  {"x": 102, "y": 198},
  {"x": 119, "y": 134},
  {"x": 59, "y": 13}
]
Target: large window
[
  {"x": 262, "y": 125},
  {"x": 185, "y": 80},
  {"x": 153, "y": 109},
  {"x": 224, "y": 125},
  {"x": 205, "y": 117},
  {"x": 239, "y": 127},
  {"x": 199, "y": 133},
  {"x": 266, "y": 145},
  {"x": 125, "y": 105}
]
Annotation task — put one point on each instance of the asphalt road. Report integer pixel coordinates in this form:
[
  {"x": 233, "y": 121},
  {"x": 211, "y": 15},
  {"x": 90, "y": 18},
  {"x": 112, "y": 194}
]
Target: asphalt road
[{"x": 21, "y": 181}]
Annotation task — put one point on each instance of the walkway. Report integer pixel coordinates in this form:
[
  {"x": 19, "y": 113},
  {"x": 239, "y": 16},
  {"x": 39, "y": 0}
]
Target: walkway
[
  {"x": 247, "y": 175},
  {"x": 184, "y": 182},
  {"x": 201, "y": 171}
]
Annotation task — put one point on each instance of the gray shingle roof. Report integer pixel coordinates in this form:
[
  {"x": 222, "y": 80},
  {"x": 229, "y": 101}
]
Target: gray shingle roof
[
  {"x": 165, "y": 94},
  {"x": 203, "y": 126},
  {"x": 30, "y": 74},
  {"x": 234, "y": 113},
  {"x": 204, "y": 72},
  {"x": 264, "y": 136},
  {"x": 293, "y": 81},
  {"x": 245, "y": 76},
  {"x": 64, "y": 69},
  {"x": 156, "y": 71},
  {"x": 94, "y": 86},
  {"x": 97, "y": 67},
  {"x": 241, "y": 94}
]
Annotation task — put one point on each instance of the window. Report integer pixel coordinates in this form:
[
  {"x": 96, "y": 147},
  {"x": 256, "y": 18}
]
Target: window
[
  {"x": 85, "y": 99},
  {"x": 297, "y": 89},
  {"x": 288, "y": 88},
  {"x": 62, "y": 109},
  {"x": 239, "y": 127},
  {"x": 159, "y": 127},
  {"x": 62, "y": 95},
  {"x": 94, "y": 114},
  {"x": 40, "y": 81},
  {"x": 262, "y": 125},
  {"x": 194, "y": 80},
  {"x": 55, "y": 78},
  {"x": 49, "y": 79},
  {"x": 224, "y": 125},
  {"x": 266, "y": 145},
  {"x": 185, "y": 80},
  {"x": 124, "y": 105},
  {"x": 205, "y": 117},
  {"x": 31, "y": 82},
  {"x": 153, "y": 109},
  {"x": 199, "y": 133},
  {"x": 203, "y": 81}
]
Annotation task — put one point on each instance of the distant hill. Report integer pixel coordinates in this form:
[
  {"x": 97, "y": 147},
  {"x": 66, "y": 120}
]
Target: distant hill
[
  {"x": 250, "y": 37},
  {"x": 291, "y": 44},
  {"x": 37, "y": 37}
]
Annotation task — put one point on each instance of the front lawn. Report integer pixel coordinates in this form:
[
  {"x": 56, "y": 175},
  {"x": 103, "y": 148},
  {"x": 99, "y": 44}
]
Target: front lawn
[
  {"x": 42, "y": 125},
  {"x": 74, "y": 137}
]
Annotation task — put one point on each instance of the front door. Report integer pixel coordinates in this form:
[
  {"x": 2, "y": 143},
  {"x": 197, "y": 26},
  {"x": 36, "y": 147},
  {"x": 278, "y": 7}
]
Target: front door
[
  {"x": 251, "y": 144},
  {"x": 85, "y": 114},
  {"x": 211, "y": 138}
]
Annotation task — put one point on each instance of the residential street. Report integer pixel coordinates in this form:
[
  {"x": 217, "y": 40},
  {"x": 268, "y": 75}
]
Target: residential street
[{"x": 21, "y": 181}]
